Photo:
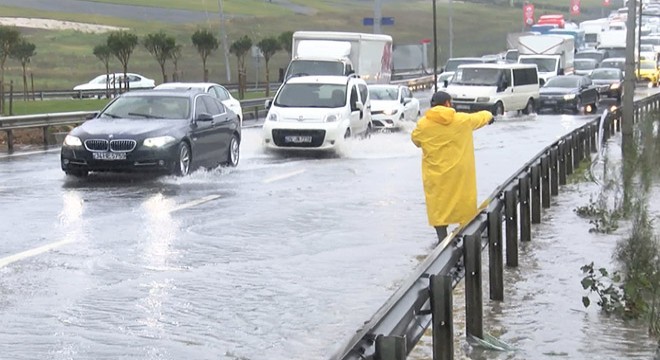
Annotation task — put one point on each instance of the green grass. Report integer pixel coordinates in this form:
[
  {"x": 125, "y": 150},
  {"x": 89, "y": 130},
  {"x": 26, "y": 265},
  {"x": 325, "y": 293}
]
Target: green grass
[
  {"x": 240, "y": 7},
  {"x": 21, "y": 107}
]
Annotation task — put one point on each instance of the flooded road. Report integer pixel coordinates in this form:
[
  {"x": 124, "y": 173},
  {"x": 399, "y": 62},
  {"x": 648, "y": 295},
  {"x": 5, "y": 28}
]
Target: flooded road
[{"x": 279, "y": 258}]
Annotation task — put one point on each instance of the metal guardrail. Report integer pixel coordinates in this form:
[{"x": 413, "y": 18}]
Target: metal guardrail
[
  {"x": 253, "y": 109},
  {"x": 425, "y": 298}
]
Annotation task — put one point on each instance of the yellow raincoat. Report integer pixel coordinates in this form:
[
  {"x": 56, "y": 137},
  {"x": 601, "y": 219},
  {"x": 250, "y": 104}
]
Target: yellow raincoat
[{"x": 448, "y": 169}]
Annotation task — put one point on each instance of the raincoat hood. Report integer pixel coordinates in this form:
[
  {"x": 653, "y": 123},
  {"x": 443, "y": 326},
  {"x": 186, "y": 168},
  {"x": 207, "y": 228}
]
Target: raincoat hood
[{"x": 441, "y": 115}]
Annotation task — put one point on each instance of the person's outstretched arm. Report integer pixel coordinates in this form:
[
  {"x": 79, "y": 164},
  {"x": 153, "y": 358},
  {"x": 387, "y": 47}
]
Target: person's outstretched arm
[{"x": 476, "y": 120}]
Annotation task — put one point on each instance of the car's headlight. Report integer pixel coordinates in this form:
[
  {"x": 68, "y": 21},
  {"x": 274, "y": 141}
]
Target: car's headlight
[
  {"x": 71, "y": 140},
  {"x": 159, "y": 141},
  {"x": 272, "y": 116},
  {"x": 483, "y": 99},
  {"x": 390, "y": 111},
  {"x": 331, "y": 118},
  {"x": 615, "y": 86},
  {"x": 569, "y": 97}
]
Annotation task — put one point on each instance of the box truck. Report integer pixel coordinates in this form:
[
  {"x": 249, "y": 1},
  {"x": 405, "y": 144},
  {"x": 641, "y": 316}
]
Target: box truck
[
  {"x": 552, "y": 54},
  {"x": 341, "y": 53}
]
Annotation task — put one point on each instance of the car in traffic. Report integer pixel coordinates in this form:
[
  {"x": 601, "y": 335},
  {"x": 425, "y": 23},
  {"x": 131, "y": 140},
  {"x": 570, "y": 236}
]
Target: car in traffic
[
  {"x": 317, "y": 113},
  {"x": 619, "y": 63},
  {"x": 648, "y": 73},
  {"x": 171, "y": 132},
  {"x": 584, "y": 66},
  {"x": 452, "y": 64},
  {"x": 609, "y": 82},
  {"x": 568, "y": 92},
  {"x": 598, "y": 55},
  {"x": 392, "y": 106},
  {"x": 216, "y": 90},
  {"x": 116, "y": 81}
]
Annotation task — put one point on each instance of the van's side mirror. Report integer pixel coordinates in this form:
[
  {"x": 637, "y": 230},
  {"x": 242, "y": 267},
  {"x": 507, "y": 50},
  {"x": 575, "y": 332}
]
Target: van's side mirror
[
  {"x": 268, "y": 103},
  {"x": 359, "y": 106},
  {"x": 560, "y": 71}
]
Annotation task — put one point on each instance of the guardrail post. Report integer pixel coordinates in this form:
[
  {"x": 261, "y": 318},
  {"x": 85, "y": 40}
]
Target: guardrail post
[
  {"x": 523, "y": 193},
  {"x": 256, "y": 113},
  {"x": 562, "y": 163},
  {"x": 473, "y": 294},
  {"x": 568, "y": 153},
  {"x": 511, "y": 214},
  {"x": 580, "y": 148},
  {"x": 545, "y": 182},
  {"x": 554, "y": 177},
  {"x": 11, "y": 97},
  {"x": 391, "y": 347},
  {"x": 495, "y": 260},
  {"x": 442, "y": 304},
  {"x": 10, "y": 141},
  {"x": 593, "y": 138},
  {"x": 615, "y": 124},
  {"x": 44, "y": 131},
  {"x": 536, "y": 193}
]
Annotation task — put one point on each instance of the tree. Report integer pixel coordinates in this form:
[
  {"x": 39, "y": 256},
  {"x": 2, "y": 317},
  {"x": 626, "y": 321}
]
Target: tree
[
  {"x": 176, "y": 56},
  {"x": 286, "y": 41},
  {"x": 205, "y": 43},
  {"x": 122, "y": 44},
  {"x": 9, "y": 36},
  {"x": 268, "y": 46},
  {"x": 161, "y": 47},
  {"x": 23, "y": 51},
  {"x": 240, "y": 48},
  {"x": 103, "y": 53}
]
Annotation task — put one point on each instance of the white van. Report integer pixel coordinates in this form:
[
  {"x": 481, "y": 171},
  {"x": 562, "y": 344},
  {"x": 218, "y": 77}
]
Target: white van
[
  {"x": 317, "y": 113},
  {"x": 495, "y": 87}
]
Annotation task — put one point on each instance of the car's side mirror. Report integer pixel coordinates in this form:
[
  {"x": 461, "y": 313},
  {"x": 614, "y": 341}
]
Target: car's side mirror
[
  {"x": 92, "y": 115},
  {"x": 268, "y": 103},
  {"x": 445, "y": 83},
  {"x": 204, "y": 117},
  {"x": 359, "y": 106}
]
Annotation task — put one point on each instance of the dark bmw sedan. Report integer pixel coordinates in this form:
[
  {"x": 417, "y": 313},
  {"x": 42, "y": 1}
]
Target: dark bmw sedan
[
  {"x": 569, "y": 92},
  {"x": 164, "y": 131}
]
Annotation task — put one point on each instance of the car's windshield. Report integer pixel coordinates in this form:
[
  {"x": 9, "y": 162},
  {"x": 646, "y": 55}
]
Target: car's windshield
[
  {"x": 648, "y": 65},
  {"x": 590, "y": 55},
  {"x": 452, "y": 64},
  {"x": 148, "y": 107},
  {"x": 544, "y": 65},
  {"x": 613, "y": 64},
  {"x": 584, "y": 64},
  {"x": 616, "y": 52},
  {"x": 562, "y": 82},
  {"x": 383, "y": 93},
  {"x": 314, "y": 67},
  {"x": 311, "y": 95},
  {"x": 478, "y": 76},
  {"x": 646, "y": 48},
  {"x": 605, "y": 74}
]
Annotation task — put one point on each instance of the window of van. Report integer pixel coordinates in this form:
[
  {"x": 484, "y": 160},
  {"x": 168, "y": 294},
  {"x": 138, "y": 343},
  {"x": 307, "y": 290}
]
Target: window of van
[
  {"x": 525, "y": 77},
  {"x": 477, "y": 77}
]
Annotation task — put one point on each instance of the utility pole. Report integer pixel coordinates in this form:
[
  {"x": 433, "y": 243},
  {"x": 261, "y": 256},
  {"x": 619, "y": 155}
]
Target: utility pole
[
  {"x": 435, "y": 51},
  {"x": 639, "y": 38},
  {"x": 378, "y": 15},
  {"x": 451, "y": 28},
  {"x": 629, "y": 83},
  {"x": 225, "y": 46}
]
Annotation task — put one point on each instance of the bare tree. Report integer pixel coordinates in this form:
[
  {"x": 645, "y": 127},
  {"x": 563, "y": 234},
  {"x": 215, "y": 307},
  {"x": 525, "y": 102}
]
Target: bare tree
[{"x": 103, "y": 53}]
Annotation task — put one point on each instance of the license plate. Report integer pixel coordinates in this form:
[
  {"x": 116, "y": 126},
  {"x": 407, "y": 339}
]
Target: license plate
[
  {"x": 108, "y": 156},
  {"x": 462, "y": 107},
  {"x": 298, "y": 139},
  {"x": 551, "y": 101}
]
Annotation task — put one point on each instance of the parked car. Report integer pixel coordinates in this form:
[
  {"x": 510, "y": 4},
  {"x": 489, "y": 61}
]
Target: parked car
[
  {"x": 392, "y": 105},
  {"x": 216, "y": 90},
  {"x": 568, "y": 92},
  {"x": 317, "y": 113},
  {"x": 609, "y": 82},
  {"x": 619, "y": 63},
  {"x": 584, "y": 66},
  {"x": 172, "y": 132},
  {"x": 116, "y": 80}
]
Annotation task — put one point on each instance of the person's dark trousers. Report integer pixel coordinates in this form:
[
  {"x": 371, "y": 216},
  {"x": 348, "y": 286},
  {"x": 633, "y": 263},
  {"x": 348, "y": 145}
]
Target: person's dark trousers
[{"x": 441, "y": 231}]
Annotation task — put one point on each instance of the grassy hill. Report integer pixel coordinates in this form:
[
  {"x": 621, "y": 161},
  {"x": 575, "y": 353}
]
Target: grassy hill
[{"x": 64, "y": 58}]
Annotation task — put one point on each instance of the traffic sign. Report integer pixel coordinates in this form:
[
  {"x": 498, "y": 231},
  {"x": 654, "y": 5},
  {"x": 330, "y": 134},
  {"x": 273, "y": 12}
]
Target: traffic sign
[
  {"x": 575, "y": 7},
  {"x": 528, "y": 14},
  {"x": 606, "y": 3},
  {"x": 369, "y": 21}
]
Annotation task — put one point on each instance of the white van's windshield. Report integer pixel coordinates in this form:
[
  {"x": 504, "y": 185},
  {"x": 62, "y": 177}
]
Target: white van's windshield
[
  {"x": 544, "y": 65},
  {"x": 311, "y": 95},
  {"x": 477, "y": 77}
]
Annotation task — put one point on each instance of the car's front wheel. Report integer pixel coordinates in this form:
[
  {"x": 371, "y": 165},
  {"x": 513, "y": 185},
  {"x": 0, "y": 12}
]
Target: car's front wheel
[
  {"x": 234, "y": 152},
  {"x": 182, "y": 165}
]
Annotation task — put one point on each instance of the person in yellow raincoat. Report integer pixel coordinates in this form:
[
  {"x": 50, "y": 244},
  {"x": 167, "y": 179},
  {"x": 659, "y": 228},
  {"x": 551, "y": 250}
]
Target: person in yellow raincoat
[{"x": 448, "y": 168}]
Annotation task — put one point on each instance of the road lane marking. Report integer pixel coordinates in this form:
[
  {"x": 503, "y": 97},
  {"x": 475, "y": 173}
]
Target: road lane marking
[
  {"x": 193, "y": 203},
  {"x": 28, "y": 153},
  {"x": 32, "y": 252},
  {"x": 283, "y": 176},
  {"x": 45, "y": 248}
]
